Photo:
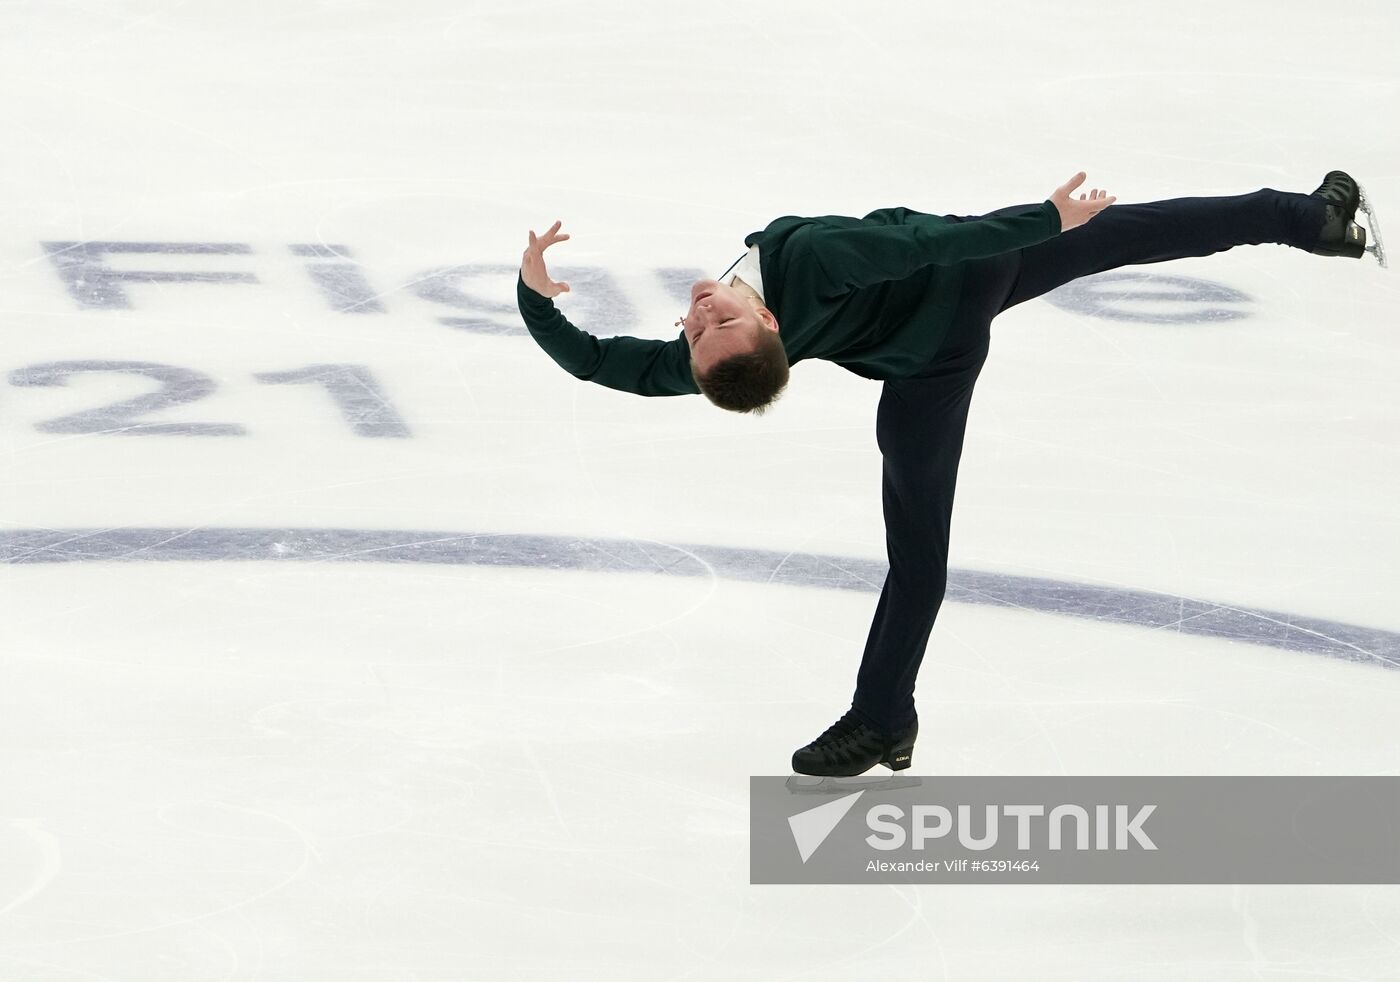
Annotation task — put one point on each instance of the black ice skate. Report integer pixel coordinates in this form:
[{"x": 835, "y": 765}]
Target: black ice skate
[
  {"x": 1341, "y": 236},
  {"x": 850, "y": 747}
]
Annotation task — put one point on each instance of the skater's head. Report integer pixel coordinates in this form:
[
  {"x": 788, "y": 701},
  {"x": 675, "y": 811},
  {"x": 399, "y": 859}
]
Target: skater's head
[{"x": 736, "y": 355}]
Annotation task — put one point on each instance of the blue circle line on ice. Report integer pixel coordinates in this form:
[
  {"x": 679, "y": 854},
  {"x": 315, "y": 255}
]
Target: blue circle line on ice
[{"x": 1103, "y": 604}]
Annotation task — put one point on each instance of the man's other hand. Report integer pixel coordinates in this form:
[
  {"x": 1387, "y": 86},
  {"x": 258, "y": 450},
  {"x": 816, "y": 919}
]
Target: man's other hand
[{"x": 532, "y": 268}]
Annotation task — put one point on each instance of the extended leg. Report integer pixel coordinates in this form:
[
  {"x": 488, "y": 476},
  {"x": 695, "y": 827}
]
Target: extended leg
[{"x": 1158, "y": 231}]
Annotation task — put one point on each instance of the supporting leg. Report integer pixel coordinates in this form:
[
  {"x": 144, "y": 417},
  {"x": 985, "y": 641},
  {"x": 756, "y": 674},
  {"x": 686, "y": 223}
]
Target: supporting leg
[{"x": 919, "y": 427}]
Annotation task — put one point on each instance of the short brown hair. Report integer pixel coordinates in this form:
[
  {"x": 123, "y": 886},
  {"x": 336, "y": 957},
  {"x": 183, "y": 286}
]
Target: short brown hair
[{"x": 748, "y": 382}]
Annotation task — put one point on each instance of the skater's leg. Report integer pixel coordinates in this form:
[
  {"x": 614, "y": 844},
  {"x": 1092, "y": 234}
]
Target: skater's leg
[
  {"x": 919, "y": 428},
  {"x": 1158, "y": 231}
]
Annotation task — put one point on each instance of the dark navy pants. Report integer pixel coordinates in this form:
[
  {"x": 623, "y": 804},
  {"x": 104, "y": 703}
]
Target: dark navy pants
[{"x": 920, "y": 423}]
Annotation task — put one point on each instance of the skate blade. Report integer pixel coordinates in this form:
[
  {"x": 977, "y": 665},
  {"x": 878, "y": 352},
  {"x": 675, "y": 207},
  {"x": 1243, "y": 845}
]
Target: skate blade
[{"x": 1373, "y": 228}]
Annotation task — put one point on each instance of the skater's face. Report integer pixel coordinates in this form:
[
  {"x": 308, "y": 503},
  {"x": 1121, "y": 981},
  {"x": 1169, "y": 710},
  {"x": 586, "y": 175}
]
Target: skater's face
[{"x": 723, "y": 322}]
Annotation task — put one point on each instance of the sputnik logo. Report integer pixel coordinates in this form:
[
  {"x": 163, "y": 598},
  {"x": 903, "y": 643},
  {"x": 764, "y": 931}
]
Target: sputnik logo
[{"x": 810, "y": 828}]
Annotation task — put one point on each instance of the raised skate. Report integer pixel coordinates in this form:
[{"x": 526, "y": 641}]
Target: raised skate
[{"x": 1341, "y": 235}]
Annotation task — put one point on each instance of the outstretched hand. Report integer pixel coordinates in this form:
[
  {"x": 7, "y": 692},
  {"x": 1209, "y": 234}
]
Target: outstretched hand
[
  {"x": 1075, "y": 213},
  {"x": 532, "y": 267}
]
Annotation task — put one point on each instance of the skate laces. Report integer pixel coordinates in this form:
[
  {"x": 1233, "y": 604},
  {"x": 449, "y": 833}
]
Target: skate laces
[
  {"x": 843, "y": 729},
  {"x": 850, "y": 739},
  {"x": 1336, "y": 189},
  {"x": 847, "y": 738}
]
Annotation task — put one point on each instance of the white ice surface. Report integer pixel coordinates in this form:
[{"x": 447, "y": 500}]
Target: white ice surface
[{"x": 275, "y": 771}]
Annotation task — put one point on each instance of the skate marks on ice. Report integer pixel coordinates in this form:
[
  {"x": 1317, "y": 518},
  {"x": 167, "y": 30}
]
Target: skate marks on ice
[{"x": 1102, "y": 604}]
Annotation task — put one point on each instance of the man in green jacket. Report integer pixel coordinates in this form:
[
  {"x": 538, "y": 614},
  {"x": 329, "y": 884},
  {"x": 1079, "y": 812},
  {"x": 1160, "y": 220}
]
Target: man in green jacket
[{"x": 908, "y": 298}]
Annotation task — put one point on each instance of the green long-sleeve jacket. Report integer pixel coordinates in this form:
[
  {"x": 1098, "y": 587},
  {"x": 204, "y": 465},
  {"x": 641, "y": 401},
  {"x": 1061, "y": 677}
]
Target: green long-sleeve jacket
[{"x": 874, "y": 295}]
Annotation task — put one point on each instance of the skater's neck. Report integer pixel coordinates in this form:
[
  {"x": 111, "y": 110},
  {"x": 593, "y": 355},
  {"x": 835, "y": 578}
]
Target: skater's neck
[{"x": 745, "y": 289}]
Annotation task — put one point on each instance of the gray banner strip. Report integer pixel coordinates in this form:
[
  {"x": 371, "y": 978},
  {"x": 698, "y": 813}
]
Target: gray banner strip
[
  {"x": 1103, "y": 604},
  {"x": 1242, "y": 829}
]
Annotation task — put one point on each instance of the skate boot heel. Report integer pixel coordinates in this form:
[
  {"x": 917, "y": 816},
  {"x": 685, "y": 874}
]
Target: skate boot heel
[
  {"x": 899, "y": 758},
  {"x": 1354, "y": 244}
]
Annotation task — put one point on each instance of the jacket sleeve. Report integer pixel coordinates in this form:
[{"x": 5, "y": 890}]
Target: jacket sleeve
[
  {"x": 638, "y": 365},
  {"x": 894, "y": 243}
]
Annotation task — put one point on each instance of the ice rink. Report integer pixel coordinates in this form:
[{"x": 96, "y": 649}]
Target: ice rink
[{"x": 346, "y": 637}]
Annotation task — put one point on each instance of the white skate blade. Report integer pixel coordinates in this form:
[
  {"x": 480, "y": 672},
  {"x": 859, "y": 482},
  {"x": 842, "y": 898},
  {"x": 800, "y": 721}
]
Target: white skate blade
[{"x": 1373, "y": 229}]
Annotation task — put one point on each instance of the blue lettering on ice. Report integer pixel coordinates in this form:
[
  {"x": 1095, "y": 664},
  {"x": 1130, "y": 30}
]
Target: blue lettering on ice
[
  {"x": 1103, "y": 295},
  {"x": 595, "y": 297},
  {"x": 177, "y": 387},
  {"x": 356, "y": 392},
  {"x": 95, "y": 285},
  {"x": 342, "y": 283},
  {"x": 444, "y": 285},
  {"x": 677, "y": 281}
]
